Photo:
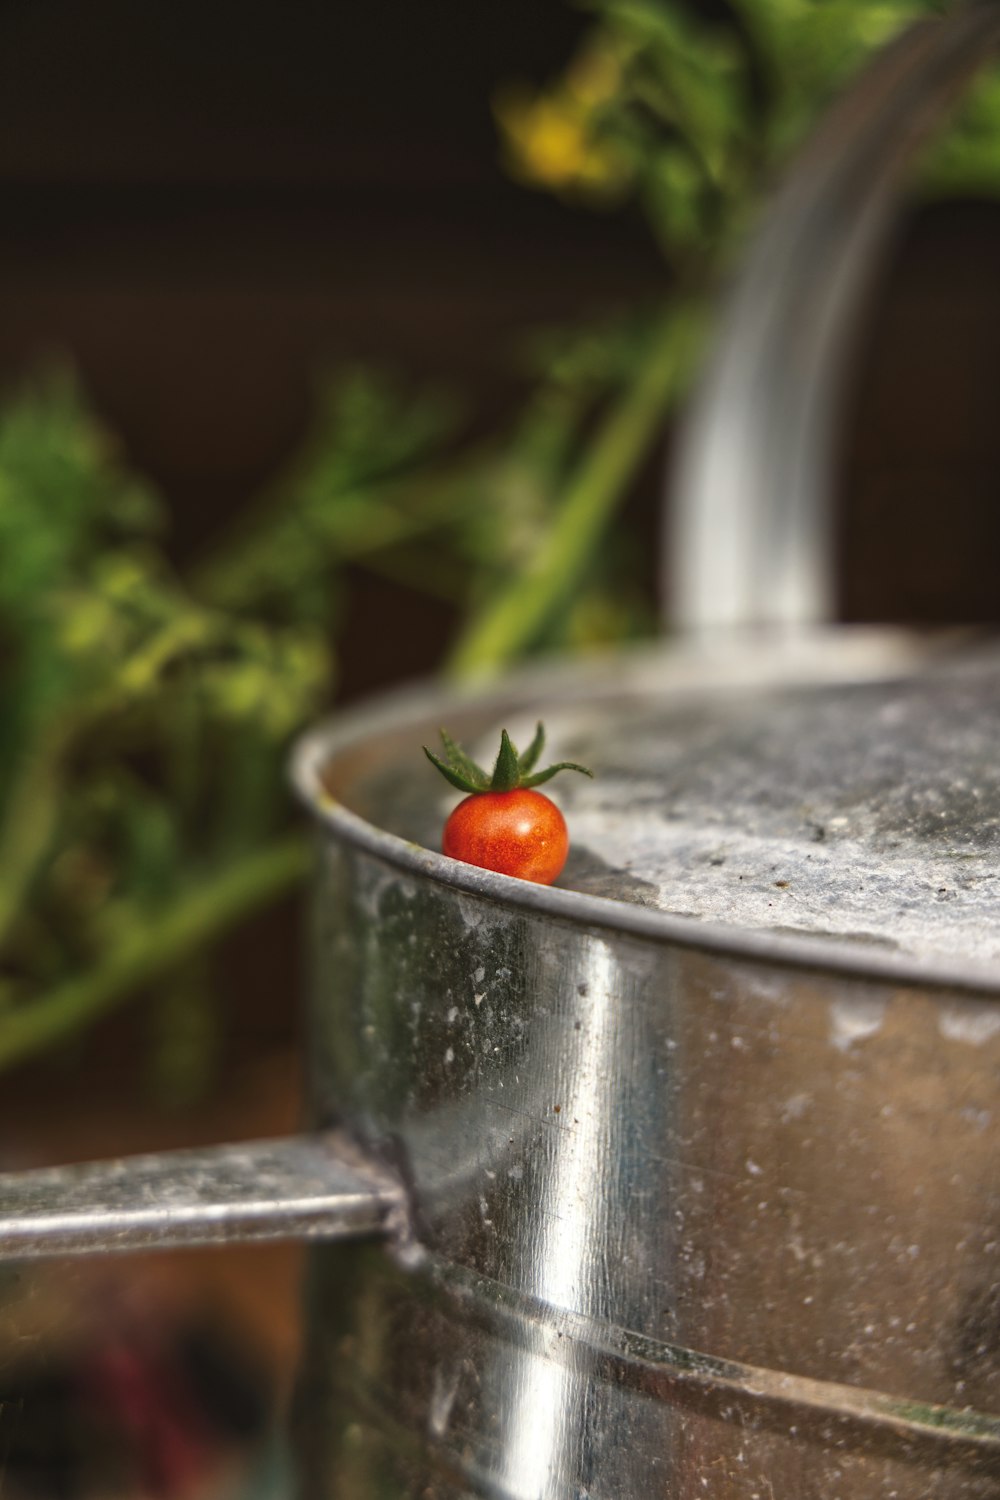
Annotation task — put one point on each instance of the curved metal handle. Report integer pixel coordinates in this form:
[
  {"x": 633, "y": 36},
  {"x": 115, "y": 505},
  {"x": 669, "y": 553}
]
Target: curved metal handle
[
  {"x": 304, "y": 1187},
  {"x": 750, "y": 529}
]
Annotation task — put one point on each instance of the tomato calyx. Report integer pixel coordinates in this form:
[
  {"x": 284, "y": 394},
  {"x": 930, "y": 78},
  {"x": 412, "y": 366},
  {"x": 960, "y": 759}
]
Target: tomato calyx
[{"x": 512, "y": 772}]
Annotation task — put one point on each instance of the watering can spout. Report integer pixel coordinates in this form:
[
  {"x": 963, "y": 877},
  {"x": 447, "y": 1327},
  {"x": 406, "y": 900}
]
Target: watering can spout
[
  {"x": 750, "y": 533},
  {"x": 307, "y": 1187}
]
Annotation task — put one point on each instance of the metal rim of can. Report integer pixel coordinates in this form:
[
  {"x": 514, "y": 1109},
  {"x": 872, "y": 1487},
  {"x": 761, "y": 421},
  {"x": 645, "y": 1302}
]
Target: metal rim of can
[{"x": 319, "y": 747}]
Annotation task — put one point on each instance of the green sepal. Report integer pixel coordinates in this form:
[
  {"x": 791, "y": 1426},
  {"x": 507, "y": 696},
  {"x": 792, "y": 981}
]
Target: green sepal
[
  {"x": 529, "y": 759},
  {"x": 455, "y": 777},
  {"x": 464, "y": 764},
  {"x": 507, "y": 771},
  {"x": 550, "y": 771}
]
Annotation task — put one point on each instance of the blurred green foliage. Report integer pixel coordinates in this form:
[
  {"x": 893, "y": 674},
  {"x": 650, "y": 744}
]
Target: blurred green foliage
[
  {"x": 146, "y": 714},
  {"x": 692, "y": 118}
]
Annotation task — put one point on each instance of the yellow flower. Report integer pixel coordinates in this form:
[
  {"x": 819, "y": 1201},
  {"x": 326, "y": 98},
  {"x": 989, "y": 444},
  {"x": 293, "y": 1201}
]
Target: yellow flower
[{"x": 550, "y": 143}]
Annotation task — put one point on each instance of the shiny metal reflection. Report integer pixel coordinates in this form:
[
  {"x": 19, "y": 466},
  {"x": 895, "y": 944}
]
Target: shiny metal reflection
[
  {"x": 569, "y": 1243},
  {"x": 680, "y": 1215}
]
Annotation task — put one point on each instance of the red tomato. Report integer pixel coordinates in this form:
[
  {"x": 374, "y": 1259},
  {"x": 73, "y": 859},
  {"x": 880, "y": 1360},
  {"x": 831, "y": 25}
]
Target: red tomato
[
  {"x": 504, "y": 824},
  {"x": 520, "y": 833}
]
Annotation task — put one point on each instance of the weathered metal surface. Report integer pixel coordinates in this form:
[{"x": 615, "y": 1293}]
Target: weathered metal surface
[
  {"x": 302, "y": 1188},
  {"x": 867, "y": 812},
  {"x": 713, "y": 1205},
  {"x": 799, "y": 816},
  {"x": 522, "y": 1399}
]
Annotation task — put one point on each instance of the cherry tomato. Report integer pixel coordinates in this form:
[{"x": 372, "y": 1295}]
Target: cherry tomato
[
  {"x": 504, "y": 824},
  {"x": 520, "y": 833}
]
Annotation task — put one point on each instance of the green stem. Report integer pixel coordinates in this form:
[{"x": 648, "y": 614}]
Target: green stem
[
  {"x": 153, "y": 947},
  {"x": 363, "y": 523},
  {"x": 515, "y": 619},
  {"x": 32, "y": 811}
]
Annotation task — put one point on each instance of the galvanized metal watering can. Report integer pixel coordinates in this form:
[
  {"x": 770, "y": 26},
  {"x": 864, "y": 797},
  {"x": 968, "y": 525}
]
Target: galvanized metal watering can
[{"x": 681, "y": 1179}]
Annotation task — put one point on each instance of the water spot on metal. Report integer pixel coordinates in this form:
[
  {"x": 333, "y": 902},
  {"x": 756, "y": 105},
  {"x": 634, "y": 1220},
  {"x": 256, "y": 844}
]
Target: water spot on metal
[
  {"x": 853, "y": 1021},
  {"x": 970, "y": 1022}
]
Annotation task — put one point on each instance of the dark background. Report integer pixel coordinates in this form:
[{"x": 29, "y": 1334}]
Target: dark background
[{"x": 204, "y": 205}]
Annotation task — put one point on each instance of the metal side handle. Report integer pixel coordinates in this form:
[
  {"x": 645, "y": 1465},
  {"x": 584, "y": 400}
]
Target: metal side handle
[
  {"x": 301, "y": 1187},
  {"x": 749, "y": 524}
]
